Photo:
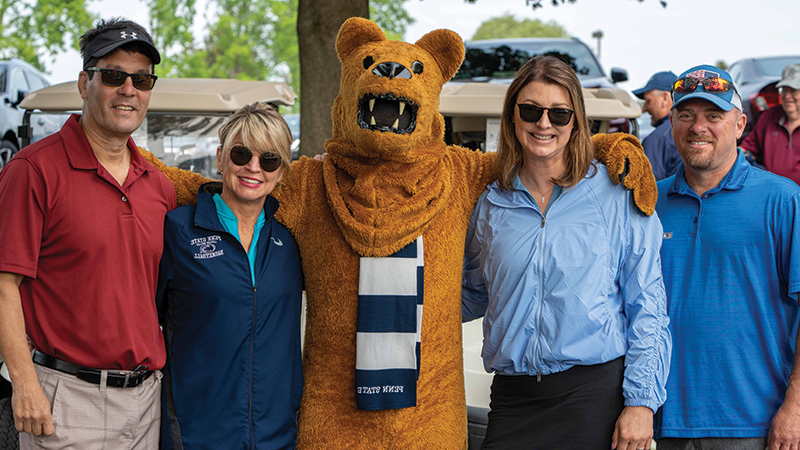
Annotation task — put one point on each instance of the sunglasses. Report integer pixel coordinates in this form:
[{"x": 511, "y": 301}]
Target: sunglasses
[
  {"x": 116, "y": 78},
  {"x": 713, "y": 85},
  {"x": 241, "y": 155},
  {"x": 558, "y": 116}
]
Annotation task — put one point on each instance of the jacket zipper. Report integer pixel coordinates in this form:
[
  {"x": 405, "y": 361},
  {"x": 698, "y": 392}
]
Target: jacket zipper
[
  {"x": 252, "y": 338},
  {"x": 541, "y": 301}
]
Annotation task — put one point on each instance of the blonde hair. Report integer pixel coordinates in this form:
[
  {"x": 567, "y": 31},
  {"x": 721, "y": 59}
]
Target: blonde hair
[
  {"x": 260, "y": 127},
  {"x": 579, "y": 151}
]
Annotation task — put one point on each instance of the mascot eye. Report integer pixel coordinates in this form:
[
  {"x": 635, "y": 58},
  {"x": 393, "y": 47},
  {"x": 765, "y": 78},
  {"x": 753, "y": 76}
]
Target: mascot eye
[
  {"x": 368, "y": 62},
  {"x": 417, "y": 67}
]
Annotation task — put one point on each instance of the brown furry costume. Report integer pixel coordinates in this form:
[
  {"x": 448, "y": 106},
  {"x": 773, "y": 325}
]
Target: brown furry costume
[{"x": 377, "y": 191}]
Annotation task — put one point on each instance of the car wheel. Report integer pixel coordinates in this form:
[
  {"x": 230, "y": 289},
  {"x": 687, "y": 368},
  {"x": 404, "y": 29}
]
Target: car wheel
[{"x": 7, "y": 150}]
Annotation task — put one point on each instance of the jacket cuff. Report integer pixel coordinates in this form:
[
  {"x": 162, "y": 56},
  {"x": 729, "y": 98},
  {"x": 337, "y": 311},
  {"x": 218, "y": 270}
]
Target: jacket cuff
[{"x": 652, "y": 404}]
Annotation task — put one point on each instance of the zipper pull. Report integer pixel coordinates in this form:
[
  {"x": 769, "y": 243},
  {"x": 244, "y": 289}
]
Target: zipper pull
[
  {"x": 538, "y": 377},
  {"x": 543, "y": 219}
]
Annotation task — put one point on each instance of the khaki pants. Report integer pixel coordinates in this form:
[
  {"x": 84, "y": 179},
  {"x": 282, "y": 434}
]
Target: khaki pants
[{"x": 90, "y": 416}]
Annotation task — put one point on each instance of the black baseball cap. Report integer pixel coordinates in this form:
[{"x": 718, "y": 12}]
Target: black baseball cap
[{"x": 106, "y": 42}]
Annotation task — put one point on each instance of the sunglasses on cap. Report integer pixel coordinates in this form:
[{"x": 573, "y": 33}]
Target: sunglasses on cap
[
  {"x": 531, "y": 113},
  {"x": 116, "y": 78},
  {"x": 241, "y": 156},
  {"x": 712, "y": 85}
]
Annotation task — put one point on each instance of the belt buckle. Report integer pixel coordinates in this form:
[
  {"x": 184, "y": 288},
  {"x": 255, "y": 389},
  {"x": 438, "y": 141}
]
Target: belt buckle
[{"x": 127, "y": 379}]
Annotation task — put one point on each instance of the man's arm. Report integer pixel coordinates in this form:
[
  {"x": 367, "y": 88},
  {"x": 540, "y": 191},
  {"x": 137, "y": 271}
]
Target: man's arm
[
  {"x": 31, "y": 408},
  {"x": 784, "y": 432}
]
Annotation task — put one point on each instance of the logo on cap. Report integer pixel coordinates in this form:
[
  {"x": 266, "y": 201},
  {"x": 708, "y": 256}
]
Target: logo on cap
[
  {"x": 125, "y": 35},
  {"x": 702, "y": 73}
]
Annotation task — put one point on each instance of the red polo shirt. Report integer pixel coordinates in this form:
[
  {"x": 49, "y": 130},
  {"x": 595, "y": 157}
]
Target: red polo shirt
[
  {"x": 771, "y": 138},
  {"x": 89, "y": 250}
]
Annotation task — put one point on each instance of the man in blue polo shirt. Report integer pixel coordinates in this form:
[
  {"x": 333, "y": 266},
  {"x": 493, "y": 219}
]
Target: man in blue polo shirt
[
  {"x": 658, "y": 145},
  {"x": 731, "y": 261}
]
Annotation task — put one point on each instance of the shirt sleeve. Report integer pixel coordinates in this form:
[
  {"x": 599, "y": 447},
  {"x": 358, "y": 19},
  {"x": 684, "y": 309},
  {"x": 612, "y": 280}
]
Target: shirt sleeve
[
  {"x": 790, "y": 247},
  {"x": 24, "y": 196},
  {"x": 647, "y": 361},
  {"x": 654, "y": 150},
  {"x": 474, "y": 296}
]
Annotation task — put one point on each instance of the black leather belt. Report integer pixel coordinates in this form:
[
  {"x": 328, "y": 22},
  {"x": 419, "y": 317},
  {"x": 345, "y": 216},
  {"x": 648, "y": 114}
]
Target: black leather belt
[{"x": 114, "y": 379}]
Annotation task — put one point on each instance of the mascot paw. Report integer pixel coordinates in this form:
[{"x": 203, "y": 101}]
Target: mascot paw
[{"x": 627, "y": 163}]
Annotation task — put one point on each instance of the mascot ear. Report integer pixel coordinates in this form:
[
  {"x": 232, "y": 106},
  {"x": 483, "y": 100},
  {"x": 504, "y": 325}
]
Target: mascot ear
[
  {"x": 447, "y": 49},
  {"x": 355, "y": 32}
]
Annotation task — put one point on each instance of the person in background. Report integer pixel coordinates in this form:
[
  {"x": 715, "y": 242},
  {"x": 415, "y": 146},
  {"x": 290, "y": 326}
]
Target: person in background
[
  {"x": 83, "y": 222},
  {"x": 229, "y": 295},
  {"x": 566, "y": 271},
  {"x": 731, "y": 263},
  {"x": 775, "y": 140},
  {"x": 658, "y": 145}
]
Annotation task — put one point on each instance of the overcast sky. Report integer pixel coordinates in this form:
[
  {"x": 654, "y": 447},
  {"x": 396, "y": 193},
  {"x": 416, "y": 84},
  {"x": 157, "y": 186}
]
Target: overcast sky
[{"x": 642, "y": 38}]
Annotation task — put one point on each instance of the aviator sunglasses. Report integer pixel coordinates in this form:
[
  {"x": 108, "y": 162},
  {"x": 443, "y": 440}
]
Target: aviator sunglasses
[
  {"x": 241, "y": 155},
  {"x": 116, "y": 78},
  {"x": 712, "y": 85},
  {"x": 532, "y": 113}
]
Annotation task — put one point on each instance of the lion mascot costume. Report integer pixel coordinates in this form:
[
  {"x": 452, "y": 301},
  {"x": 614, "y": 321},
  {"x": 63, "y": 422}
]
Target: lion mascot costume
[{"x": 381, "y": 225}]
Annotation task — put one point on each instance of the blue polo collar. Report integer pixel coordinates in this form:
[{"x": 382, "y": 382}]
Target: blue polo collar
[{"x": 732, "y": 181}]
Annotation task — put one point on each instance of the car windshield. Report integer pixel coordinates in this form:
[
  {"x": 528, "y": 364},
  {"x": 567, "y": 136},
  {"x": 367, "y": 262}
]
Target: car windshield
[
  {"x": 773, "y": 67},
  {"x": 495, "y": 59}
]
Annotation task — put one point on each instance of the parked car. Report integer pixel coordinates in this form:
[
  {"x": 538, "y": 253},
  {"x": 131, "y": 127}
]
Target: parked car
[
  {"x": 17, "y": 79},
  {"x": 472, "y": 117},
  {"x": 497, "y": 61},
  {"x": 182, "y": 120},
  {"x": 293, "y": 120},
  {"x": 756, "y": 79}
]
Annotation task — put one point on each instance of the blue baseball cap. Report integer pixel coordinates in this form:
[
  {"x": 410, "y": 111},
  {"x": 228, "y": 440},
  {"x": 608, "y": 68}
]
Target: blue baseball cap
[
  {"x": 725, "y": 101},
  {"x": 661, "y": 81}
]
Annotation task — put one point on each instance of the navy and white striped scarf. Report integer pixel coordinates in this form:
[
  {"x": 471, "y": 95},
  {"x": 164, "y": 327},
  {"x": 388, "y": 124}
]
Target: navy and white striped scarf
[{"x": 390, "y": 293}]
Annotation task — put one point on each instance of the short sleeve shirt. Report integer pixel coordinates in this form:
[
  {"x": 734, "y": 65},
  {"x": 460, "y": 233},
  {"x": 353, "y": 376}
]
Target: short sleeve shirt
[
  {"x": 731, "y": 262},
  {"x": 88, "y": 249}
]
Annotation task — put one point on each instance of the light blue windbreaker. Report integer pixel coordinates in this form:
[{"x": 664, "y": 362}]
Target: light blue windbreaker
[{"x": 581, "y": 285}]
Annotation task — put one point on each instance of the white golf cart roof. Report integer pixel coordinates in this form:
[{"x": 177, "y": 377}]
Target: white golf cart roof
[
  {"x": 486, "y": 99},
  {"x": 198, "y": 95}
]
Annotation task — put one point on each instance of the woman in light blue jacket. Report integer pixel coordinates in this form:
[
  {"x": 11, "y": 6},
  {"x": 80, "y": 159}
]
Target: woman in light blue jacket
[{"x": 567, "y": 275}]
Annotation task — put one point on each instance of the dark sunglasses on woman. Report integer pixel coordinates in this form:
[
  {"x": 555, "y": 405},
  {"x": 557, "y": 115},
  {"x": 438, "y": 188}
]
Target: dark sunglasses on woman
[
  {"x": 116, "y": 78},
  {"x": 531, "y": 113},
  {"x": 241, "y": 156}
]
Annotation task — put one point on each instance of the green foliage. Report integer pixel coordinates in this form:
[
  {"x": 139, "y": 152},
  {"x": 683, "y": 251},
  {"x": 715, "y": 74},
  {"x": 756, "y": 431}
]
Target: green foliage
[
  {"x": 507, "y": 26},
  {"x": 721, "y": 64},
  {"x": 391, "y": 16},
  {"x": 244, "y": 39},
  {"x": 34, "y": 30}
]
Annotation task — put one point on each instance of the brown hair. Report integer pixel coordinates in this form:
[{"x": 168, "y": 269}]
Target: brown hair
[
  {"x": 579, "y": 152},
  {"x": 260, "y": 127}
]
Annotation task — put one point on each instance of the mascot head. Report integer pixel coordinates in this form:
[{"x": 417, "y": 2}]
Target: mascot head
[{"x": 388, "y": 103}]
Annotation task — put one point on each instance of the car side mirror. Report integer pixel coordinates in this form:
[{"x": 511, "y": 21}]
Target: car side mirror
[
  {"x": 20, "y": 97},
  {"x": 618, "y": 75}
]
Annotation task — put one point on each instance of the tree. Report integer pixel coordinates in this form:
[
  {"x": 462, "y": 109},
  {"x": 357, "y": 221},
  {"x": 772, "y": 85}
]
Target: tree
[
  {"x": 507, "y": 26},
  {"x": 33, "y": 30}
]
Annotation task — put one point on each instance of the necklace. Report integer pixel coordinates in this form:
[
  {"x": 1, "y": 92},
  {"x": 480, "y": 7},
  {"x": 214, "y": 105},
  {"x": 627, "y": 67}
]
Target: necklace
[{"x": 543, "y": 194}]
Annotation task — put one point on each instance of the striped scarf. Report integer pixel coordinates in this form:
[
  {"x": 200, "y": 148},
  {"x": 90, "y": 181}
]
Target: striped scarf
[{"x": 390, "y": 292}]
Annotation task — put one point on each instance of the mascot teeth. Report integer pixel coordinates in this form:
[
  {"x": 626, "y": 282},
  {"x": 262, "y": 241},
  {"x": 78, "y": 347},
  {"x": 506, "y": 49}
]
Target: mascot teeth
[{"x": 387, "y": 113}]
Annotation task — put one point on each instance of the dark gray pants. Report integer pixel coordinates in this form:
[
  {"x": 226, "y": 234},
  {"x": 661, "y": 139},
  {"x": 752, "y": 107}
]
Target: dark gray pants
[{"x": 713, "y": 444}]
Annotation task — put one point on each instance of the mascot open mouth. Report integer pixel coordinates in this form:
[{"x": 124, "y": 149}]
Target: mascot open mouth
[{"x": 387, "y": 113}]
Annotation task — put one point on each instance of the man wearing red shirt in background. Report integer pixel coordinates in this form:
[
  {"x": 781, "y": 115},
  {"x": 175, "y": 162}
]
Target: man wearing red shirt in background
[
  {"x": 82, "y": 221},
  {"x": 776, "y": 136}
]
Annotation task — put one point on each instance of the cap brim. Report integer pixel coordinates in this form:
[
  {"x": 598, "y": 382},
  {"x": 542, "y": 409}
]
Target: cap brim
[
  {"x": 153, "y": 54},
  {"x": 640, "y": 92},
  {"x": 794, "y": 84},
  {"x": 715, "y": 99}
]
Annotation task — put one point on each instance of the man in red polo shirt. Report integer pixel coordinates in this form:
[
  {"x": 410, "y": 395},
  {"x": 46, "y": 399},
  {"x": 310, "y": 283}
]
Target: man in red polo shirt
[
  {"x": 776, "y": 137},
  {"x": 82, "y": 221}
]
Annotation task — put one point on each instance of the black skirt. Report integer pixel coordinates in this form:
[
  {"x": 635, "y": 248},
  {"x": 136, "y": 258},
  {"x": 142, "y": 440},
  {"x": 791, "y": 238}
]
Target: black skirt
[{"x": 575, "y": 409}]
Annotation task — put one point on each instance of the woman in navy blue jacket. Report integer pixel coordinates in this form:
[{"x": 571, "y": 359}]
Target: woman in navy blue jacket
[{"x": 229, "y": 297}]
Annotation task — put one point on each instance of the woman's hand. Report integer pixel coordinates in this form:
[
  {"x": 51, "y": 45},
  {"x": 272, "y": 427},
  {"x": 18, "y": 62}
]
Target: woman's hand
[{"x": 634, "y": 429}]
